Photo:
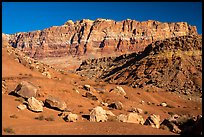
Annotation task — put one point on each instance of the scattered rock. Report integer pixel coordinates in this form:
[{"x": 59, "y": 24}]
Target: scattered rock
[
  {"x": 116, "y": 105},
  {"x": 142, "y": 102},
  {"x": 104, "y": 104},
  {"x": 136, "y": 110},
  {"x": 26, "y": 89},
  {"x": 47, "y": 74},
  {"x": 109, "y": 113},
  {"x": 118, "y": 90},
  {"x": 71, "y": 117},
  {"x": 163, "y": 104},
  {"x": 87, "y": 87},
  {"x": 90, "y": 96},
  {"x": 195, "y": 129},
  {"x": 135, "y": 118},
  {"x": 53, "y": 102},
  {"x": 35, "y": 105},
  {"x": 21, "y": 106},
  {"x": 77, "y": 91},
  {"x": 168, "y": 125},
  {"x": 98, "y": 114},
  {"x": 153, "y": 120}
]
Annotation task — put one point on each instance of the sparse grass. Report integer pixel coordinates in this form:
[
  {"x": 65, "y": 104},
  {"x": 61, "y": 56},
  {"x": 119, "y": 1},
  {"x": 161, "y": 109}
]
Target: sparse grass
[
  {"x": 13, "y": 116},
  {"x": 112, "y": 118},
  {"x": 50, "y": 118},
  {"x": 145, "y": 112},
  {"x": 40, "y": 117},
  {"x": 20, "y": 99},
  {"x": 9, "y": 130},
  {"x": 170, "y": 113},
  {"x": 147, "y": 90},
  {"x": 170, "y": 106}
]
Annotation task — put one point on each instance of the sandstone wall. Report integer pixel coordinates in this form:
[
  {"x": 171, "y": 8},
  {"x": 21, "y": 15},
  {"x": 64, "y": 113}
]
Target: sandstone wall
[{"x": 99, "y": 37}]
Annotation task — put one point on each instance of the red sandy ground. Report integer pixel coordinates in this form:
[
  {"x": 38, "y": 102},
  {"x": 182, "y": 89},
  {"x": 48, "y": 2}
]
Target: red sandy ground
[{"x": 13, "y": 73}]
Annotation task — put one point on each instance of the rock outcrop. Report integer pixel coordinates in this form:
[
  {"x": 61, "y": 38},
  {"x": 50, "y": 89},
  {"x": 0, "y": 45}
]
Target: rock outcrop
[
  {"x": 172, "y": 64},
  {"x": 98, "y": 37}
]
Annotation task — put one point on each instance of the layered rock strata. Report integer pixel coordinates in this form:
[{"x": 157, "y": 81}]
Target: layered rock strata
[{"x": 100, "y": 37}]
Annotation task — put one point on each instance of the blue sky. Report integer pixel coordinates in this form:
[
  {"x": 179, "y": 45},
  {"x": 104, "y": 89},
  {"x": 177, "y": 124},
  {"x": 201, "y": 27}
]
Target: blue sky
[{"x": 29, "y": 16}]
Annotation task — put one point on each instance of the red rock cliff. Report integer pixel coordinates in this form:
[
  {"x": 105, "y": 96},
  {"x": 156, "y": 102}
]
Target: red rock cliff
[{"x": 99, "y": 37}]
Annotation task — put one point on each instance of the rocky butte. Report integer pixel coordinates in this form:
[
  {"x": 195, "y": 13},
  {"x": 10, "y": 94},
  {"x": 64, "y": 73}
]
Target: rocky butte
[{"x": 101, "y": 37}]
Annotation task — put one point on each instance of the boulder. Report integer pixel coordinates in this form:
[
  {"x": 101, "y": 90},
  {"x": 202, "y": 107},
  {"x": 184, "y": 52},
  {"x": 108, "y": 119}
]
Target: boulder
[
  {"x": 35, "y": 105},
  {"x": 98, "y": 114},
  {"x": 135, "y": 118},
  {"x": 122, "y": 118},
  {"x": 116, "y": 105},
  {"x": 87, "y": 87},
  {"x": 195, "y": 129},
  {"x": 169, "y": 125},
  {"x": 26, "y": 89},
  {"x": 90, "y": 96},
  {"x": 119, "y": 91},
  {"x": 56, "y": 103},
  {"x": 71, "y": 117},
  {"x": 163, "y": 104},
  {"x": 47, "y": 74},
  {"x": 178, "y": 124},
  {"x": 136, "y": 110},
  {"x": 21, "y": 106},
  {"x": 153, "y": 120},
  {"x": 109, "y": 113}
]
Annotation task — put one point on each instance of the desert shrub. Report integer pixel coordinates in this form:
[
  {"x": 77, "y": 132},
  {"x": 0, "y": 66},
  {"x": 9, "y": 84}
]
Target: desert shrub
[
  {"x": 112, "y": 118},
  {"x": 170, "y": 106},
  {"x": 80, "y": 106},
  {"x": 145, "y": 112},
  {"x": 13, "y": 116},
  {"x": 20, "y": 99},
  {"x": 170, "y": 113},
  {"x": 41, "y": 117},
  {"x": 50, "y": 118},
  {"x": 9, "y": 130}
]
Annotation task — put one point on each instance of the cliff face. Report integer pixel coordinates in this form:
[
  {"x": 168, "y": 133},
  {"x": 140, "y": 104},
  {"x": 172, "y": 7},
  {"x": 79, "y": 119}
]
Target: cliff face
[{"x": 99, "y": 37}]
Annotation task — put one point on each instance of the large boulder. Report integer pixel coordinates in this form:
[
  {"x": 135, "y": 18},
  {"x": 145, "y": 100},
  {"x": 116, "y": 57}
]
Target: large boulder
[
  {"x": 178, "y": 124},
  {"x": 153, "y": 120},
  {"x": 169, "y": 125},
  {"x": 98, "y": 114},
  {"x": 71, "y": 117},
  {"x": 116, "y": 105},
  {"x": 195, "y": 129},
  {"x": 21, "y": 106},
  {"x": 119, "y": 91},
  {"x": 26, "y": 89},
  {"x": 135, "y": 118},
  {"x": 122, "y": 118},
  {"x": 35, "y": 105},
  {"x": 56, "y": 103}
]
